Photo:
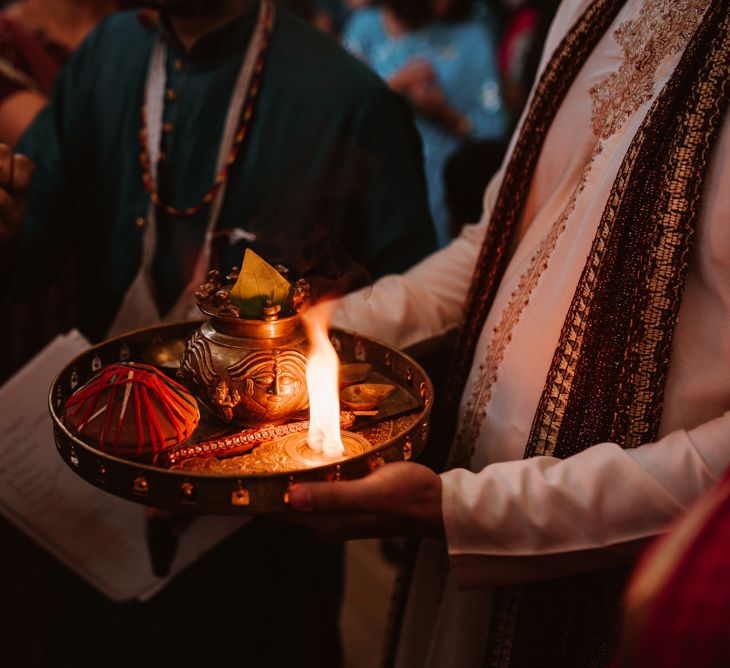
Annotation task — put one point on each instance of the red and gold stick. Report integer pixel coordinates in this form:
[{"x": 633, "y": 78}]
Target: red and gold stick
[{"x": 240, "y": 443}]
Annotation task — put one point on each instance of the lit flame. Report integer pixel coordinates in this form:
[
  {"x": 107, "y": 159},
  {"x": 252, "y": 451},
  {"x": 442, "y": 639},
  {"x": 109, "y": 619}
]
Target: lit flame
[{"x": 323, "y": 370}]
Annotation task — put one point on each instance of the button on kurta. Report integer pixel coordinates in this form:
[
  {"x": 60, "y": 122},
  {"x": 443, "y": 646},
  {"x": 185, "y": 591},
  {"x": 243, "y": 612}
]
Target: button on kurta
[
  {"x": 140, "y": 222},
  {"x": 171, "y": 95}
]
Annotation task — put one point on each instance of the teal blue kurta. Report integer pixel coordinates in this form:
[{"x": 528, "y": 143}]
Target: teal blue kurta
[{"x": 330, "y": 172}]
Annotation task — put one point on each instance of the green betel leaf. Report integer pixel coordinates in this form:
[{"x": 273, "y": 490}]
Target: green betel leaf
[{"x": 257, "y": 282}]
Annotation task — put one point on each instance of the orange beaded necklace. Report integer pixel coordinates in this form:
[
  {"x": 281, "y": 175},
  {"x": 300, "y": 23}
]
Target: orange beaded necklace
[{"x": 222, "y": 176}]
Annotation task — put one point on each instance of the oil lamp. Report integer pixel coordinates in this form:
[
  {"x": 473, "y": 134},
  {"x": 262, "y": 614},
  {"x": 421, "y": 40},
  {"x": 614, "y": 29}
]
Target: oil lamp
[{"x": 325, "y": 440}]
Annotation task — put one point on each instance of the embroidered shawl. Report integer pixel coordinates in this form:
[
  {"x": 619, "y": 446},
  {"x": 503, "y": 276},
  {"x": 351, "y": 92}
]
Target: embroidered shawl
[{"x": 608, "y": 372}]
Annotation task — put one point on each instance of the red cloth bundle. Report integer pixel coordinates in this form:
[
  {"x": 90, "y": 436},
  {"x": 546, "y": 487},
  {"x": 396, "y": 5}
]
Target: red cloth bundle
[{"x": 132, "y": 410}]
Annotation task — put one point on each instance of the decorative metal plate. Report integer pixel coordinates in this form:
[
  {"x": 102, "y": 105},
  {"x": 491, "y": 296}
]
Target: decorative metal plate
[{"x": 257, "y": 482}]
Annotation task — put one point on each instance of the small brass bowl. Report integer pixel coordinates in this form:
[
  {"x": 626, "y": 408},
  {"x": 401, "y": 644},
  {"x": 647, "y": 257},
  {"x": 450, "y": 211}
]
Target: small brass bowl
[
  {"x": 354, "y": 373},
  {"x": 366, "y": 396},
  {"x": 164, "y": 353}
]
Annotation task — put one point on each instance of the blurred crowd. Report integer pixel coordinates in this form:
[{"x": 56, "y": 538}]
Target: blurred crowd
[{"x": 465, "y": 67}]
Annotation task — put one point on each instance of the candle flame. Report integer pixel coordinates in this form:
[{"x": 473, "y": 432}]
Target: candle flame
[{"x": 323, "y": 370}]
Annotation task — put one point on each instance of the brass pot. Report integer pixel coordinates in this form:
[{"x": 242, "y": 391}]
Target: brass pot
[{"x": 248, "y": 371}]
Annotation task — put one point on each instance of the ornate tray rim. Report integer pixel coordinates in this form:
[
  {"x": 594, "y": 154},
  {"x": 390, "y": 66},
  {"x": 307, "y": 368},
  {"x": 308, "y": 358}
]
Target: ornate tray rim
[{"x": 106, "y": 471}]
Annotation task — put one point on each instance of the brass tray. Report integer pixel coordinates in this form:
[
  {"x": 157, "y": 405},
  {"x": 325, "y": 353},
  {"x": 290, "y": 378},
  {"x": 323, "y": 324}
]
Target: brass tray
[{"x": 263, "y": 478}]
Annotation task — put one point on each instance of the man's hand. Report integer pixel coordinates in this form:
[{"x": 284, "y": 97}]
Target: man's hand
[
  {"x": 415, "y": 74},
  {"x": 430, "y": 101},
  {"x": 416, "y": 81},
  {"x": 16, "y": 172},
  {"x": 400, "y": 499}
]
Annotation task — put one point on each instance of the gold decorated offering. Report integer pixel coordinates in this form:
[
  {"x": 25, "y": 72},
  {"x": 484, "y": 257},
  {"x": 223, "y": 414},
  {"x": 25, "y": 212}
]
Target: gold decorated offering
[{"x": 281, "y": 398}]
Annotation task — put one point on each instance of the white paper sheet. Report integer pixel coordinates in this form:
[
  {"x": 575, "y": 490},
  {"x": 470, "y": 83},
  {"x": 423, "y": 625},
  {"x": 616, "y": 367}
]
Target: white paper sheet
[{"x": 99, "y": 536}]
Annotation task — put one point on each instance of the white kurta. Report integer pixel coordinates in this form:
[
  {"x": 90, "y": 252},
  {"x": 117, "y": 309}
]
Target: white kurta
[{"x": 513, "y": 520}]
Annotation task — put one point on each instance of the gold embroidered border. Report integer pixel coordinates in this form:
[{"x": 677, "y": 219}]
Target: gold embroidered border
[
  {"x": 659, "y": 311},
  {"x": 555, "y": 397}
]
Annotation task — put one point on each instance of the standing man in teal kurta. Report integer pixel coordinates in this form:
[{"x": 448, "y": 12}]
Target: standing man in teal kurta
[
  {"x": 172, "y": 142},
  {"x": 318, "y": 165}
]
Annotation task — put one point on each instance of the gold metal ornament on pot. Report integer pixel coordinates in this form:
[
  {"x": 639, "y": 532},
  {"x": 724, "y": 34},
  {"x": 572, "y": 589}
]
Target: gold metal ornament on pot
[{"x": 247, "y": 363}]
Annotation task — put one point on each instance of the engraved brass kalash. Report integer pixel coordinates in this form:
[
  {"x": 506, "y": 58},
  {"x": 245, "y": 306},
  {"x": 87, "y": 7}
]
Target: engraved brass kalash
[
  {"x": 249, "y": 370},
  {"x": 251, "y": 443}
]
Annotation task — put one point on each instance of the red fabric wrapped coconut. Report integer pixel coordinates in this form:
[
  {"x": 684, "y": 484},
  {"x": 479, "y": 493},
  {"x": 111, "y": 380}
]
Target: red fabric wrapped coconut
[{"x": 132, "y": 410}]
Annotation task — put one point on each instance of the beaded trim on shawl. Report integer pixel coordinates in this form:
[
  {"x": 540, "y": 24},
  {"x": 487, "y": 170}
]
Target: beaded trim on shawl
[{"x": 662, "y": 28}]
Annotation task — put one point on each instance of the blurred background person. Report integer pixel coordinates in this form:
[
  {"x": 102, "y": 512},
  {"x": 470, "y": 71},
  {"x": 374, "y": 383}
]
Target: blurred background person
[
  {"x": 466, "y": 176},
  {"x": 526, "y": 24},
  {"x": 439, "y": 55},
  {"x": 37, "y": 37}
]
